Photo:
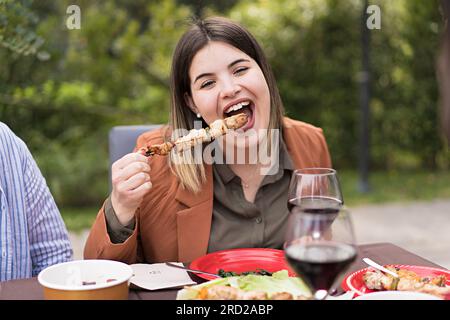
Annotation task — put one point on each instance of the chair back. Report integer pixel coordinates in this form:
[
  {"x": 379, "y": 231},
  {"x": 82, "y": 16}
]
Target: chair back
[{"x": 122, "y": 140}]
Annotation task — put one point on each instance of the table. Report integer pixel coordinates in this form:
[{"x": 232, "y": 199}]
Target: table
[{"x": 383, "y": 253}]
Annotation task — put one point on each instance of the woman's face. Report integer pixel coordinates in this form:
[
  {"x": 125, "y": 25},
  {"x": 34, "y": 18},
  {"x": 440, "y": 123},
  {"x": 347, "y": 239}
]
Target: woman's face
[{"x": 226, "y": 81}]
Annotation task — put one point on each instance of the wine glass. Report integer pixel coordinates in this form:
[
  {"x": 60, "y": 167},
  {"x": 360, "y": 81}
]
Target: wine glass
[
  {"x": 319, "y": 247},
  {"x": 320, "y": 241},
  {"x": 317, "y": 188}
]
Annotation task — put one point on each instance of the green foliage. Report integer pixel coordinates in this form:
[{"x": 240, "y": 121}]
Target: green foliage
[
  {"x": 63, "y": 95},
  {"x": 405, "y": 131},
  {"x": 113, "y": 71},
  {"x": 16, "y": 28},
  {"x": 78, "y": 218}
]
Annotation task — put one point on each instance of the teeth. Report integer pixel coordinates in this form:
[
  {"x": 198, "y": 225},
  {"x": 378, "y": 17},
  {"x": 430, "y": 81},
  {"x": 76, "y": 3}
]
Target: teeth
[{"x": 238, "y": 106}]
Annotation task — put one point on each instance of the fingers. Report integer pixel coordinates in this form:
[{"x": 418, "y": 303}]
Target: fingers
[
  {"x": 128, "y": 166},
  {"x": 140, "y": 191},
  {"x": 135, "y": 181},
  {"x": 132, "y": 195},
  {"x": 130, "y": 182},
  {"x": 131, "y": 177},
  {"x": 134, "y": 191},
  {"x": 127, "y": 159},
  {"x": 133, "y": 169}
]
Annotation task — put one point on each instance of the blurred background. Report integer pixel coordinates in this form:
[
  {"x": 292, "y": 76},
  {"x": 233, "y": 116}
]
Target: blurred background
[{"x": 62, "y": 90}]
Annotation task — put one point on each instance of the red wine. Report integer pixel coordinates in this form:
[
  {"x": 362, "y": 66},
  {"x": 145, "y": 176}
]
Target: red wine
[
  {"x": 315, "y": 205},
  {"x": 319, "y": 263}
]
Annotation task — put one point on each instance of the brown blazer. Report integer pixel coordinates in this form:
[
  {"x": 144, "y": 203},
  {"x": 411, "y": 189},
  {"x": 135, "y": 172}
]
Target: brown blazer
[{"x": 173, "y": 224}]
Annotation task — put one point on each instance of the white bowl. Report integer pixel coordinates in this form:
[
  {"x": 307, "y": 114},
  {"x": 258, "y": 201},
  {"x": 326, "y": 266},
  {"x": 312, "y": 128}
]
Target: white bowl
[
  {"x": 396, "y": 295},
  {"x": 86, "y": 279}
]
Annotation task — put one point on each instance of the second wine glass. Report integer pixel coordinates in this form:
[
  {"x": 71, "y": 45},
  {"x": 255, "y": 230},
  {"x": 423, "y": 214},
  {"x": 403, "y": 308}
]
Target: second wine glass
[
  {"x": 315, "y": 190},
  {"x": 319, "y": 247}
]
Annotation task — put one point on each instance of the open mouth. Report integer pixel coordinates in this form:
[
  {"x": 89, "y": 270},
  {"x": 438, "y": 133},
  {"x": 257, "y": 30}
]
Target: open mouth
[{"x": 247, "y": 107}]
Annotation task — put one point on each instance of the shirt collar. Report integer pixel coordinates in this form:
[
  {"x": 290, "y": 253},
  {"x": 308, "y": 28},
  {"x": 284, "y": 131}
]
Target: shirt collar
[
  {"x": 285, "y": 161},
  {"x": 224, "y": 172}
]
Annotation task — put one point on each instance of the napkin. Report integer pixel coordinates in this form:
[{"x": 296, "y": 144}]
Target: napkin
[{"x": 159, "y": 276}]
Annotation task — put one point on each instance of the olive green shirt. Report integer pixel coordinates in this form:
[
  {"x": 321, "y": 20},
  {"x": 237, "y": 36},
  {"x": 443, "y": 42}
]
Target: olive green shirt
[
  {"x": 118, "y": 233},
  {"x": 236, "y": 223}
]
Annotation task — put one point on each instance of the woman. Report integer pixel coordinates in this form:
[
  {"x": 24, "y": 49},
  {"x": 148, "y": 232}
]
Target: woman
[{"x": 166, "y": 210}]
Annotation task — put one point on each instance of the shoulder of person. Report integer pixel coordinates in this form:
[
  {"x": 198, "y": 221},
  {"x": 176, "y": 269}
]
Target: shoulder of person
[
  {"x": 300, "y": 136},
  {"x": 9, "y": 140},
  {"x": 292, "y": 126},
  {"x": 5, "y": 130}
]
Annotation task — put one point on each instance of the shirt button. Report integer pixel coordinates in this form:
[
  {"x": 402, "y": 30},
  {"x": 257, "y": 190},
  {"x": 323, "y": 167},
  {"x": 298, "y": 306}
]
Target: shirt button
[{"x": 258, "y": 220}]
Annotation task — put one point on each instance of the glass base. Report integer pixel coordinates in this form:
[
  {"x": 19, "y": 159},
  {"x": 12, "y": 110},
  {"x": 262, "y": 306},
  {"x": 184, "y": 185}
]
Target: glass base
[{"x": 320, "y": 295}]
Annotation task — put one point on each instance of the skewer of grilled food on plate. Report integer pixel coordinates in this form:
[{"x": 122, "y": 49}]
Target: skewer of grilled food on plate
[{"x": 407, "y": 281}]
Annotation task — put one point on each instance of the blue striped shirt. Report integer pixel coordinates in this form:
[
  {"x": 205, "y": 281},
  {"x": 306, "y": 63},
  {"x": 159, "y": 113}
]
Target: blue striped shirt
[{"x": 32, "y": 233}]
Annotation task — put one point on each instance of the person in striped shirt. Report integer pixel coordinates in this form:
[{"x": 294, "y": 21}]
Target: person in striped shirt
[{"x": 32, "y": 233}]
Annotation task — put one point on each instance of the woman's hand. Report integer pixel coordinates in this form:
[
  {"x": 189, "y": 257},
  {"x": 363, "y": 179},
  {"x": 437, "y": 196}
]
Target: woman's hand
[{"x": 130, "y": 183}]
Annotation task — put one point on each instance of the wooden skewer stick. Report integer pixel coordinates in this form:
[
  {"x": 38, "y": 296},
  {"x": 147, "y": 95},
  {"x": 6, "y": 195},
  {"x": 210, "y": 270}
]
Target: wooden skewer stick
[{"x": 196, "y": 136}]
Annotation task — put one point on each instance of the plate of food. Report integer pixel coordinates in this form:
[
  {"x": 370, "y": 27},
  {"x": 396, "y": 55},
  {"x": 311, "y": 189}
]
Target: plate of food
[
  {"x": 421, "y": 279},
  {"x": 237, "y": 262},
  {"x": 278, "y": 286}
]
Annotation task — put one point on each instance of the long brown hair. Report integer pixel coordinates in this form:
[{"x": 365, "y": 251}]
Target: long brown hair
[{"x": 198, "y": 36}]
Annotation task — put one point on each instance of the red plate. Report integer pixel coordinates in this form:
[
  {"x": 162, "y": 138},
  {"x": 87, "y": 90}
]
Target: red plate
[
  {"x": 241, "y": 260},
  {"x": 354, "y": 281}
]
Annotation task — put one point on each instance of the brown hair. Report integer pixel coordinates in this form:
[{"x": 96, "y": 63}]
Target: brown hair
[{"x": 198, "y": 36}]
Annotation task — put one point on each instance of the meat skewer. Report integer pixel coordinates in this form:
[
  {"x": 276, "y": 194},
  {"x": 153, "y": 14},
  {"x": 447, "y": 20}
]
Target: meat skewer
[
  {"x": 407, "y": 281},
  {"x": 197, "y": 136}
]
